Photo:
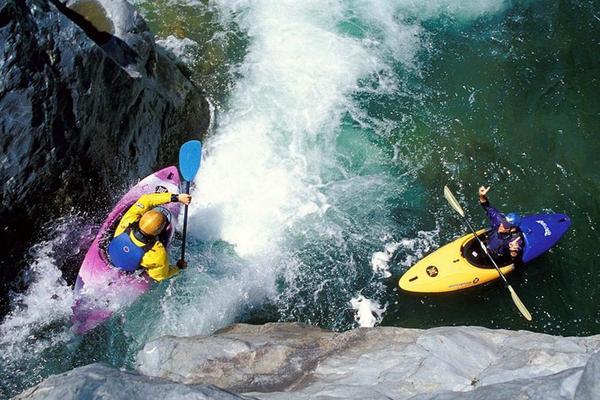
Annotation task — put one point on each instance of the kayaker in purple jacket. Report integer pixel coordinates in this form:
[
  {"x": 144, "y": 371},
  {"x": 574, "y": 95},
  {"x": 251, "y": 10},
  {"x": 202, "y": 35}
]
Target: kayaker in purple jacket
[{"x": 505, "y": 237}]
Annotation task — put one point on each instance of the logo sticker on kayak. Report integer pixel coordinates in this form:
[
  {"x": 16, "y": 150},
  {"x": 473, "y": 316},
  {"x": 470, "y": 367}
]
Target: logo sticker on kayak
[
  {"x": 432, "y": 271},
  {"x": 547, "y": 231}
]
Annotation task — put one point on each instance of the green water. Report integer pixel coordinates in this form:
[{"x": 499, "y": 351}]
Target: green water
[
  {"x": 220, "y": 46},
  {"x": 516, "y": 105}
]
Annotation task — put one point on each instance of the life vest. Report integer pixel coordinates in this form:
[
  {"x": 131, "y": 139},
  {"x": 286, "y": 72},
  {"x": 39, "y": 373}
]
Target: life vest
[
  {"x": 124, "y": 253},
  {"x": 497, "y": 243}
]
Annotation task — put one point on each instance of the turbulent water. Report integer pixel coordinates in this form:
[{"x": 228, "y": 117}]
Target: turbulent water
[{"x": 336, "y": 126}]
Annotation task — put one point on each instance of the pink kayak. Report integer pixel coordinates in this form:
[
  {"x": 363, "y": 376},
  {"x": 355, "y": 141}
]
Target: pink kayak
[{"x": 100, "y": 288}]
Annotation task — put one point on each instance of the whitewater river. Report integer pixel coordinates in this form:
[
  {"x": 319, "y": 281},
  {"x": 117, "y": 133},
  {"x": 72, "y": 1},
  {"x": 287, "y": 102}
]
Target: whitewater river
[{"x": 336, "y": 126}]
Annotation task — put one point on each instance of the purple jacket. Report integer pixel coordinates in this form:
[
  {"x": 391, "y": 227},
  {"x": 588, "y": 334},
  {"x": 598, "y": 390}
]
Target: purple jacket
[{"x": 497, "y": 243}]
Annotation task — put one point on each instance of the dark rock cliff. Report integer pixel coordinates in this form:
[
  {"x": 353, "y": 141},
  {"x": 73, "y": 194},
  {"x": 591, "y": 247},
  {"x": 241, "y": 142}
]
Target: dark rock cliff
[{"x": 88, "y": 104}]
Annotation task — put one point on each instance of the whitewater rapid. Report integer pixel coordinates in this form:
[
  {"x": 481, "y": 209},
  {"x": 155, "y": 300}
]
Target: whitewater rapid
[
  {"x": 291, "y": 204},
  {"x": 275, "y": 179}
]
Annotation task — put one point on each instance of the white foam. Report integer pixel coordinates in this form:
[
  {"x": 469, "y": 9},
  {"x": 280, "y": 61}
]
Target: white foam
[
  {"x": 413, "y": 249},
  {"x": 30, "y": 327},
  {"x": 182, "y": 48},
  {"x": 368, "y": 312},
  {"x": 380, "y": 259},
  {"x": 260, "y": 173},
  {"x": 417, "y": 247},
  {"x": 200, "y": 302}
]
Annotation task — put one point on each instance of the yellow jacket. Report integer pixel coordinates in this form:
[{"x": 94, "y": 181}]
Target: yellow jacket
[{"x": 156, "y": 260}]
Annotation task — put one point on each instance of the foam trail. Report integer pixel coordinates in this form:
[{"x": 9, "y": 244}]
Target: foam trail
[{"x": 380, "y": 259}]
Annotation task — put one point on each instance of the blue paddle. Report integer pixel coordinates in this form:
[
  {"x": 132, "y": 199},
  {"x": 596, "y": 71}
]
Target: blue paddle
[{"x": 190, "y": 155}]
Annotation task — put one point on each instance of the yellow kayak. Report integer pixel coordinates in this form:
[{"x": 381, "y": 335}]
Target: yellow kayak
[{"x": 458, "y": 265}]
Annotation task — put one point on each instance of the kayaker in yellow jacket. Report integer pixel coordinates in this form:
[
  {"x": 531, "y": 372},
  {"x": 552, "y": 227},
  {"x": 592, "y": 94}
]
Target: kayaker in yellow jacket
[{"x": 136, "y": 240}]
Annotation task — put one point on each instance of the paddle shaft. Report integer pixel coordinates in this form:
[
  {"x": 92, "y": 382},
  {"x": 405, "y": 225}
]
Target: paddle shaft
[
  {"x": 486, "y": 250},
  {"x": 186, "y": 190}
]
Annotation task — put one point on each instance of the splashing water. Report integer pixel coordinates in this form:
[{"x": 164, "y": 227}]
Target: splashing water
[
  {"x": 368, "y": 312},
  {"x": 282, "y": 181},
  {"x": 380, "y": 259},
  {"x": 38, "y": 322},
  {"x": 271, "y": 171}
]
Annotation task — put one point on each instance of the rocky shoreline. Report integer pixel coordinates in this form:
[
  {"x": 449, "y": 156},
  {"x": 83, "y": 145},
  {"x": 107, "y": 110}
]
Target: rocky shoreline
[{"x": 295, "y": 361}]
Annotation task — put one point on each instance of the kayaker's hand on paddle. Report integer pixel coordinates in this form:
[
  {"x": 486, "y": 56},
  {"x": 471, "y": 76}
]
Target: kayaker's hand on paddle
[
  {"x": 483, "y": 193},
  {"x": 514, "y": 247},
  {"x": 185, "y": 199},
  {"x": 182, "y": 264}
]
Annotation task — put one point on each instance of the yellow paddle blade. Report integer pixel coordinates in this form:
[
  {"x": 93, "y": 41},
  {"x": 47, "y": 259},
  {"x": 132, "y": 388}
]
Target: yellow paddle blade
[
  {"x": 519, "y": 304},
  {"x": 453, "y": 202}
]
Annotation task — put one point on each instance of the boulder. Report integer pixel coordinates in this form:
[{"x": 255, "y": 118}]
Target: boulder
[{"x": 293, "y": 361}]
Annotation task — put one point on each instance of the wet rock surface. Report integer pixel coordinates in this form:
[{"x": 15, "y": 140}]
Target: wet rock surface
[
  {"x": 98, "y": 381},
  {"x": 272, "y": 357},
  {"x": 292, "y": 361},
  {"x": 88, "y": 105}
]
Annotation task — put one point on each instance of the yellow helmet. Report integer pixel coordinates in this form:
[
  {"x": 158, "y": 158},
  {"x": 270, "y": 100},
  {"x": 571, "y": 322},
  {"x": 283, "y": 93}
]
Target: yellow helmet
[{"x": 152, "y": 222}]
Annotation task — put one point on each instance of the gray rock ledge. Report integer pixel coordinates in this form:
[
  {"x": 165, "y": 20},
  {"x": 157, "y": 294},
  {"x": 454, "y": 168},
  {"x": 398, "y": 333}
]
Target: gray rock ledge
[
  {"x": 294, "y": 361},
  {"x": 98, "y": 381}
]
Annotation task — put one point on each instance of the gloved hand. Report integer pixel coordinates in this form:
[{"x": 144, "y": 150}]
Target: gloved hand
[{"x": 182, "y": 264}]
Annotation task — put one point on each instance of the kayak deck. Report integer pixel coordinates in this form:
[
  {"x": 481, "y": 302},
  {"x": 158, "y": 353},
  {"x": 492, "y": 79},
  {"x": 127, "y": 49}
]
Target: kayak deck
[{"x": 448, "y": 269}]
